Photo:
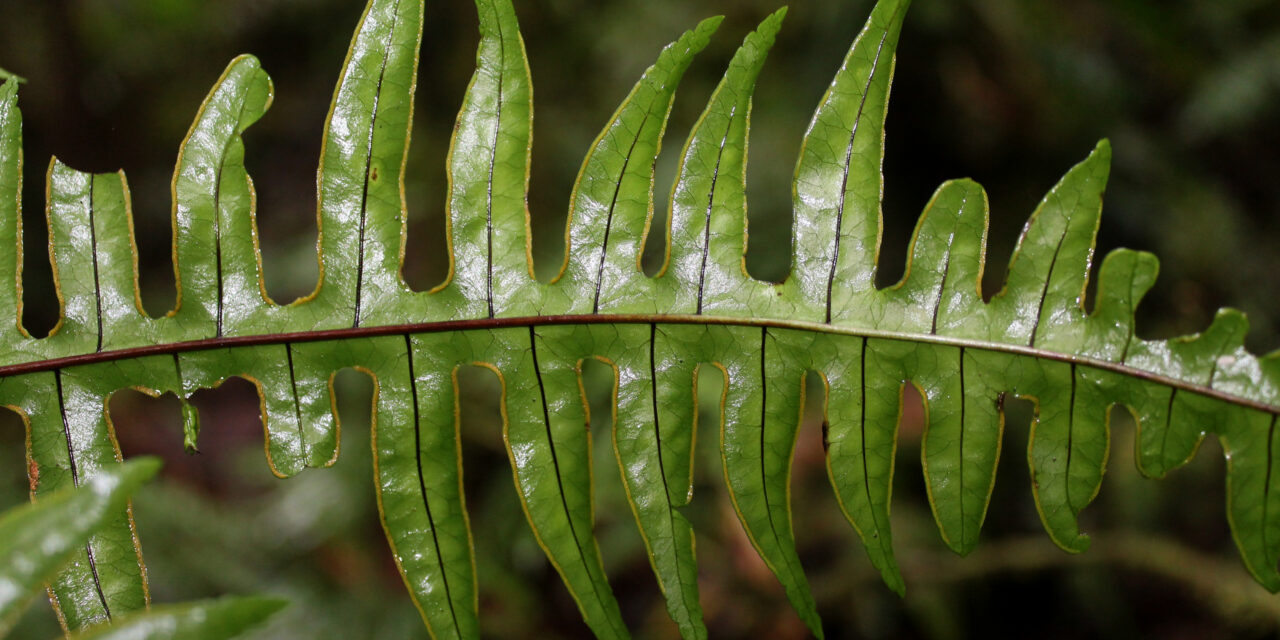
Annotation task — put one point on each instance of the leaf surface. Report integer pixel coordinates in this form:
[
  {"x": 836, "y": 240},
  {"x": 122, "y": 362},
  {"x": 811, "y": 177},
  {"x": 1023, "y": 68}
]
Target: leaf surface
[
  {"x": 216, "y": 619},
  {"x": 932, "y": 330},
  {"x": 37, "y": 540}
]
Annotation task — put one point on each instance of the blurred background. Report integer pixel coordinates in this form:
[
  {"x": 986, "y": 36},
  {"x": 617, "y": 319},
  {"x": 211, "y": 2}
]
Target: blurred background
[{"x": 1008, "y": 92}]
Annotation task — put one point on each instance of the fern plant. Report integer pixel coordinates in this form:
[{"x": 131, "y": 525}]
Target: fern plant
[{"x": 932, "y": 330}]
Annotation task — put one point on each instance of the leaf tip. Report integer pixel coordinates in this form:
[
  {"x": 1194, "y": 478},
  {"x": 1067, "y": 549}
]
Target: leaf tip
[
  {"x": 1079, "y": 544},
  {"x": 265, "y": 605},
  {"x": 142, "y": 469},
  {"x": 1101, "y": 155},
  {"x": 769, "y": 27},
  {"x": 969, "y": 186},
  {"x": 891, "y": 575},
  {"x": 8, "y": 76},
  {"x": 897, "y": 10},
  {"x": 708, "y": 26},
  {"x": 247, "y": 60},
  {"x": 1265, "y": 575},
  {"x": 962, "y": 548},
  {"x": 1141, "y": 267},
  {"x": 1228, "y": 326}
]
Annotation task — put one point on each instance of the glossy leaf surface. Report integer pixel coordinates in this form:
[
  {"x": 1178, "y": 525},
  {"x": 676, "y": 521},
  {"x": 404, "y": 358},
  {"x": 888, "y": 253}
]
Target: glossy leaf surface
[{"x": 933, "y": 329}]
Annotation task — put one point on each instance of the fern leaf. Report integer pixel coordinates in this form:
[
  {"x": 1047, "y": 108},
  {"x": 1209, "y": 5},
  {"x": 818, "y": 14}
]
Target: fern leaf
[{"x": 932, "y": 330}]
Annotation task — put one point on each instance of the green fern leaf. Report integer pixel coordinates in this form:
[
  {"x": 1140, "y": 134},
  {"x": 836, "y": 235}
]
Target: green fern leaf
[{"x": 933, "y": 329}]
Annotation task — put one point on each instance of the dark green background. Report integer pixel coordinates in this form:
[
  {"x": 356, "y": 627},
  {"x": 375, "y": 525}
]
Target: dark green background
[{"x": 1008, "y": 92}]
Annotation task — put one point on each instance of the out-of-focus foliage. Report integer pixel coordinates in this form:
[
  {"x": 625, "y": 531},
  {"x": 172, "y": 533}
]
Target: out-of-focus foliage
[
  {"x": 37, "y": 539},
  {"x": 1007, "y": 91},
  {"x": 214, "y": 619}
]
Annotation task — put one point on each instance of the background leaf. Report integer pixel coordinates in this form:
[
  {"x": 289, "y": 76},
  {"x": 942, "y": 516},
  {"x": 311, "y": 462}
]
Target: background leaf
[
  {"x": 208, "y": 620},
  {"x": 40, "y": 538}
]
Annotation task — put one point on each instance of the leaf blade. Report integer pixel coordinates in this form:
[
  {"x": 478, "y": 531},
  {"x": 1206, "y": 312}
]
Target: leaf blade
[
  {"x": 612, "y": 197},
  {"x": 36, "y": 539},
  {"x": 214, "y": 619}
]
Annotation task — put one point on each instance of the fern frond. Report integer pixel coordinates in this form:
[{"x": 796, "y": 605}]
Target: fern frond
[{"x": 932, "y": 330}]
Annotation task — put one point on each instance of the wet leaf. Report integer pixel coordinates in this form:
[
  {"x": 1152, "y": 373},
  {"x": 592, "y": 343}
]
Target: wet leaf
[{"x": 933, "y": 329}]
